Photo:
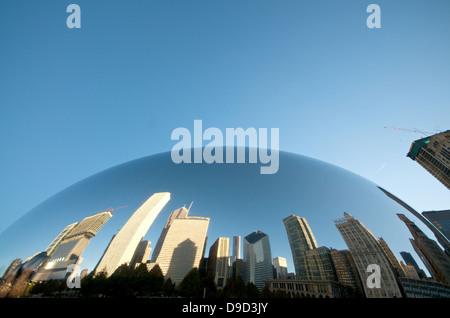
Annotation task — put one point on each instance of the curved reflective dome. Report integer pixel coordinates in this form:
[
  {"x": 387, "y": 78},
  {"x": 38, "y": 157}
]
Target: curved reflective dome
[{"x": 237, "y": 198}]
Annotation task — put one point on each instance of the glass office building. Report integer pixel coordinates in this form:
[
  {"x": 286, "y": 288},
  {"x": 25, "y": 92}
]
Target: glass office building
[{"x": 257, "y": 259}]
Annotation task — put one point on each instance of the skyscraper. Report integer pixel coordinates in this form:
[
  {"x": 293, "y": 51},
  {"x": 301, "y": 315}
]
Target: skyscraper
[
  {"x": 68, "y": 246},
  {"x": 218, "y": 261},
  {"x": 237, "y": 247},
  {"x": 55, "y": 243},
  {"x": 441, "y": 220},
  {"x": 433, "y": 153},
  {"x": 366, "y": 250},
  {"x": 434, "y": 258},
  {"x": 141, "y": 254},
  {"x": 439, "y": 236},
  {"x": 301, "y": 239},
  {"x": 410, "y": 272},
  {"x": 257, "y": 259},
  {"x": 14, "y": 264},
  {"x": 319, "y": 265},
  {"x": 346, "y": 271},
  {"x": 181, "y": 244},
  {"x": 123, "y": 245},
  {"x": 280, "y": 266},
  {"x": 392, "y": 258},
  {"x": 409, "y": 260}
]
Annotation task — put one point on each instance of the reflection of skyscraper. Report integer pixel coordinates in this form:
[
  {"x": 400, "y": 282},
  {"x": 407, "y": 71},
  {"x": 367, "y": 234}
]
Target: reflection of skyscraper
[
  {"x": 409, "y": 260},
  {"x": 280, "y": 266},
  {"x": 392, "y": 258},
  {"x": 218, "y": 261},
  {"x": 236, "y": 262},
  {"x": 346, "y": 271},
  {"x": 434, "y": 258},
  {"x": 433, "y": 153},
  {"x": 141, "y": 254},
  {"x": 441, "y": 220},
  {"x": 319, "y": 265},
  {"x": 439, "y": 236},
  {"x": 67, "y": 248},
  {"x": 14, "y": 264},
  {"x": 237, "y": 247},
  {"x": 410, "y": 271},
  {"x": 301, "y": 239},
  {"x": 366, "y": 250},
  {"x": 181, "y": 244},
  {"x": 123, "y": 245},
  {"x": 53, "y": 245},
  {"x": 257, "y": 259}
]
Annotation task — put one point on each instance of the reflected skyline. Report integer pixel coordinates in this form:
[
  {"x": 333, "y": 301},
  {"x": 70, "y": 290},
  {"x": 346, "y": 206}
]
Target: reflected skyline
[{"x": 236, "y": 197}]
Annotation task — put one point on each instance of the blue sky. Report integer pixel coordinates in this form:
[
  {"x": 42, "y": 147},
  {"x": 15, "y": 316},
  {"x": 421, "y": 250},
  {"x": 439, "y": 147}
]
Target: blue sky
[{"x": 74, "y": 102}]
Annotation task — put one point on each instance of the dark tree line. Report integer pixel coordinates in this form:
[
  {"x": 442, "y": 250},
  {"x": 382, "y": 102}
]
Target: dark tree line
[{"x": 127, "y": 282}]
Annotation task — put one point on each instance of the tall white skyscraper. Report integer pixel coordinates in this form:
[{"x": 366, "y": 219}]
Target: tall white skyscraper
[
  {"x": 123, "y": 245},
  {"x": 68, "y": 246},
  {"x": 366, "y": 250},
  {"x": 181, "y": 244}
]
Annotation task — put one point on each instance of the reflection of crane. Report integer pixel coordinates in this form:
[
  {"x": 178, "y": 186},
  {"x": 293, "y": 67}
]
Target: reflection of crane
[
  {"x": 410, "y": 130},
  {"x": 113, "y": 209}
]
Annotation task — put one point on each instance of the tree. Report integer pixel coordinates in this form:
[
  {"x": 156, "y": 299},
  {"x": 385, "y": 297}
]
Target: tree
[
  {"x": 140, "y": 280},
  {"x": 209, "y": 286},
  {"x": 156, "y": 280},
  {"x": 235, "y": 288},
  {"x": 169, "y": 288},
  {"x": 266, "y": 293},
  {"x": 120, "y": 283},
  {"x": 252, "y": 290},
  {"x": 191, "y": 285},
  {"x": 94, "y": 285}
]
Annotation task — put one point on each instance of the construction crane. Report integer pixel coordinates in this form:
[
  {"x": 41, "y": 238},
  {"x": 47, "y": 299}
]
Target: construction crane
[
  {"x": 113, "y": 209},
  {"x": 410, "y": 130}
]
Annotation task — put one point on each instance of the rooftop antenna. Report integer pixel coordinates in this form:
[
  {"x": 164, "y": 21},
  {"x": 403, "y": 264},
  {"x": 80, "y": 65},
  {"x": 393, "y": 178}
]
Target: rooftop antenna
[{"x": 190, "y": 206}]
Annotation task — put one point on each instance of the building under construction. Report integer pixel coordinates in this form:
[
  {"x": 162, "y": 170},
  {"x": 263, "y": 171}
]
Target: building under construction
[{"x": 433, "y": 153}]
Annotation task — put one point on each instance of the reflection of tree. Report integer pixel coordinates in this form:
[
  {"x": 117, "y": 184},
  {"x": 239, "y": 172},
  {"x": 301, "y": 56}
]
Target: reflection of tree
[
  {"x": 5, "y": 286},
  {"x": 191, "y": 285},
  {"x": 155, "y": 282},
  {"x": 252, "y": 290},
  {"x": 235, "y": 288},
  {"x": 169, "y": 288},
  {"x": 94, "y": 286},
  {"x": 121, "y": 283},
  {"x": 15, "y": 286},
  {"x": 48, "y": 288},
  {"x": 124, "y": 282},
  {"x": 140, "y": 282}
]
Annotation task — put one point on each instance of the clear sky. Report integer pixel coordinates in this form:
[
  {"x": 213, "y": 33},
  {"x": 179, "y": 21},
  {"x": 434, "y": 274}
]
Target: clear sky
[{"x": 74, "y": 102}]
